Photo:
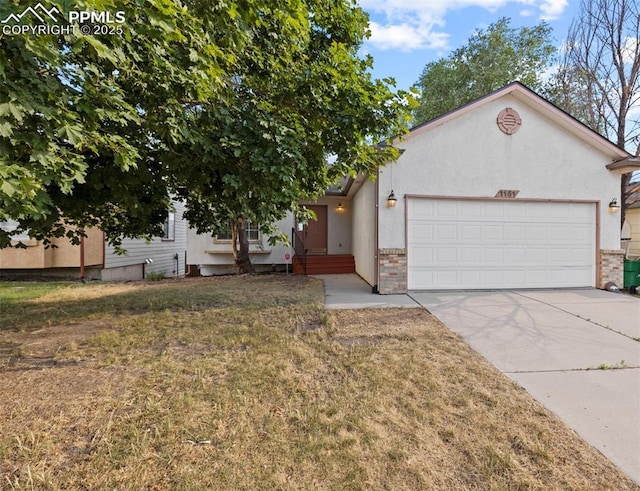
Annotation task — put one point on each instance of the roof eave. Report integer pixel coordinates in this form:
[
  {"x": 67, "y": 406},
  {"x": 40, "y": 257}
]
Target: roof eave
[{"x": 624, "y": 166}]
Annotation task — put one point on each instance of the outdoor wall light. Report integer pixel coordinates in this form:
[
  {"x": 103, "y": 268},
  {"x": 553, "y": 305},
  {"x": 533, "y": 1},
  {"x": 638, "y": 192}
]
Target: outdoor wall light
[
  {"x": 340, "y": 208},
  {"x": 392, "y": 200},
  {"x": 614, "y": 207}
]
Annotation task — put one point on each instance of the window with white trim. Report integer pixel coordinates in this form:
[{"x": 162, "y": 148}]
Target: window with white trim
[
  {"x": 252, "y": 230},
  {"x": 169, "y": 227}
]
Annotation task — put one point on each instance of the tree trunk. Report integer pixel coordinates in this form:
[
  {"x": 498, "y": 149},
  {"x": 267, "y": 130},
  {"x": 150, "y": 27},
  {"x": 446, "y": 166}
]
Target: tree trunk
[{"x": 240, "y": 243}]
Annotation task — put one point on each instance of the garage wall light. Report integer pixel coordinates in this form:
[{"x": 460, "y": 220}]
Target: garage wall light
[
  {"x": 614, "y": 207},
  {"x": 392, "y": 200}
]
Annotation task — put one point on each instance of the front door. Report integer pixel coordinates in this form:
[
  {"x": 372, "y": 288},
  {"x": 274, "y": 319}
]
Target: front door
[{"x": 315, "y": 232}]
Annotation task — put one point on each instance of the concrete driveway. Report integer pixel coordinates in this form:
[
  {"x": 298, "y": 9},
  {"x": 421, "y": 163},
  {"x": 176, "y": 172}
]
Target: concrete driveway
[{"x": 575, "y": 351}]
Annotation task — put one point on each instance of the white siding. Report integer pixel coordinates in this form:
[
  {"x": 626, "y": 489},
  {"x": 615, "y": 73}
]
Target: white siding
[
  {"x": 162, "y": 252},
  {"x": 364, "y": 216}
]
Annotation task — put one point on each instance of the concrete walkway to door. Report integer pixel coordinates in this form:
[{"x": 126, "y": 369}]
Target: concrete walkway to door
[{"x": 575, "y": 351}]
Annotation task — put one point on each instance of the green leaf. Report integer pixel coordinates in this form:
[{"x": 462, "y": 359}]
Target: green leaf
[
  {"x": 12, "y": 108},
  {"x": 6, "y": 129},
  {"x": 70, "y": 133},
  {"x": 9, "y": 187}
]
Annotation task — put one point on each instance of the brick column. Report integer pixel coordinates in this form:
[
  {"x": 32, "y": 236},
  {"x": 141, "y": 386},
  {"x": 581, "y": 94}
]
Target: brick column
[
  {"x": 611, "y": 267},
  {"x": 393, "y": 271}
]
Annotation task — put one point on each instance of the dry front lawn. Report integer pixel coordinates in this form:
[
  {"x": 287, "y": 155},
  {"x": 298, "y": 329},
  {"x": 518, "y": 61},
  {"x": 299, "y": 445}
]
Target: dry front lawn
[{"x": 248, "y": 383}]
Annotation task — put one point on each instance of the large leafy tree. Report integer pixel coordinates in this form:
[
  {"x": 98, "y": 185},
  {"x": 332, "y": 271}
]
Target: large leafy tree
[
  {"x": 287, "y": 111},
  {"x": 491, "y": 59},
  {"x": 78, "y": 115},
  {"x": 232, "y": 106}
]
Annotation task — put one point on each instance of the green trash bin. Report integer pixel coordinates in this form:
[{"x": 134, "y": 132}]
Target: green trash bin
[{"x": 631, "y": 273}]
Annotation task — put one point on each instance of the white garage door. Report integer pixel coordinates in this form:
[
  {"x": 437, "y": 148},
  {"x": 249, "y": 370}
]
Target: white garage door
[{"x": 499, "y": 244}]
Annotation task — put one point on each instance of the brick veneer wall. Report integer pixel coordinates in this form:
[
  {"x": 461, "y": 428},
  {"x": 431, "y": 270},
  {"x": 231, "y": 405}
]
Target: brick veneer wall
[
  {"x": 393, "y": 271},
  {"x": 611, "y": 267}
]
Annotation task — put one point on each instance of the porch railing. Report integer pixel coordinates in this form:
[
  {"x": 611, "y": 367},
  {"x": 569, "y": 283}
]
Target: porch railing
[{"x": 299, "y": 249}]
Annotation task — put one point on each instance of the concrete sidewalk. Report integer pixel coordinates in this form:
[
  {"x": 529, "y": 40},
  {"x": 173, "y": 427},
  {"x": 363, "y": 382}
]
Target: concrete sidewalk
[
  {"x": 576, "y": 351},
  {"x": 349, "y": 291}
]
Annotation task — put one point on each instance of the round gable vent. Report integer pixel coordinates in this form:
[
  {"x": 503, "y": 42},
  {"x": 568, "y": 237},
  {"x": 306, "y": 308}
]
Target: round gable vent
[{"x": 509, "y": 121}]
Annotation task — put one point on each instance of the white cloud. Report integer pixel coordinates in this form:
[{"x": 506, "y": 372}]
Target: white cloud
[
  {"x": 406, "y": 37},
  {"x": 552, "y": 9},
  {"x": 418, "y": 24}
]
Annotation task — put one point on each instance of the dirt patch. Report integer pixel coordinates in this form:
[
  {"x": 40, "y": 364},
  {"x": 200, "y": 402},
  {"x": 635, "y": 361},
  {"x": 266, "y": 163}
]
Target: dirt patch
[{"x": 40, "y": 347}]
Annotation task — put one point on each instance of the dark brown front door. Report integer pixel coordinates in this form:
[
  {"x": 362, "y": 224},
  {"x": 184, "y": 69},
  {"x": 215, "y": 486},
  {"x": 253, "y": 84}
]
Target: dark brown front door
[{"x": 315, "y": 232}]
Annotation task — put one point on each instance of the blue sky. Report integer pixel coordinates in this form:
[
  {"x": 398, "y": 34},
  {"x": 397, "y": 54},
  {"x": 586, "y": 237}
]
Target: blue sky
[{"x": 407, "y": 34}]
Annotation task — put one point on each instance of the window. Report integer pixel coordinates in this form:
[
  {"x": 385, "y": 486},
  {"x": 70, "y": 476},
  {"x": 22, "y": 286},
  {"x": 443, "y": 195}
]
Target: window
[
  {"x": 10, "y": 226},
  {"x": 169, "y": 228},
  {"x": 253, "y": 233}
]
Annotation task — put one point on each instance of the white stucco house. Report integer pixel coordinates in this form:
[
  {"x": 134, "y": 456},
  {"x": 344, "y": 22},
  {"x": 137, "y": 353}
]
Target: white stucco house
[{"x": 507, "y": 191}]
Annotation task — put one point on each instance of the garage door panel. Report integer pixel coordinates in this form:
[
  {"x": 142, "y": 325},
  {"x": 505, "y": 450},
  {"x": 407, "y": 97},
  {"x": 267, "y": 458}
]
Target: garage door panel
[
  {"x": 559, "y": 255},
  {"x": 446, "y": 255},
  {"x": 515, "y": 255},
  {"x": 536, "y": 255},
  {"x": 470, "y": 255},
  {"x": 445, "y": 231},
  {"x": 493, "y": 232},
  {"x": 557, "y": 233},
  {"x": 581, "y": 233},
  {"x": 421, "y": 231},
  {"x": 514, "y": 214},
  {"x": 492, "y": 210},
  {"x": 537, "y": 233},
  {"x": 470, "y": 231},
  {"x": 537, "y": 278},
  {"x": 446, "y": 277},
  {"x": 471, "y": 279},
  {"x": 423, "y": 256},
  {"x": 493, "y": 255},
  {"x": 516, "y": 233},
  {"x": 500, "y": 244},
  {"x": 441, "y": 210},
  {"x": 469, "y": 210}
]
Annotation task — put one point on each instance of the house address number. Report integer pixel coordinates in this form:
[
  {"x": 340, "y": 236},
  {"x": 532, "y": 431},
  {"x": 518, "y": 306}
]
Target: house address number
[{"x": 507, "y": 193}]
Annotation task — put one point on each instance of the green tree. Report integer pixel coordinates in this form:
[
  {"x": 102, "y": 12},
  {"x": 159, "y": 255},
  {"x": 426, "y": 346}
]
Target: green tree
[
  {"x": 232, "y": 107},
  {"x": 491, "y": 59},
  {"x": 80, "y": 114}
]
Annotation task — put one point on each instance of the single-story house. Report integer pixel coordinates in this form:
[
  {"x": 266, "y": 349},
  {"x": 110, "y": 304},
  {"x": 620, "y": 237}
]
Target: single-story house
[
  {"x": 507, "y": 191},
  {"x": 94, "y": 258}
]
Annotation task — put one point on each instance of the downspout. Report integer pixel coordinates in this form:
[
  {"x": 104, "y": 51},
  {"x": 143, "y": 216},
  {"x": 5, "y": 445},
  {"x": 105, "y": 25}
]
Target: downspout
[
  {"x": 376, "y": 220},
  {"x": 104, "y": 250},
  {"x": 82, "y": 257}
]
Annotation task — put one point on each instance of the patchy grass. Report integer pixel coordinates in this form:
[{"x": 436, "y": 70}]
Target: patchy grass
[{"x": 248, "y": 383}]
